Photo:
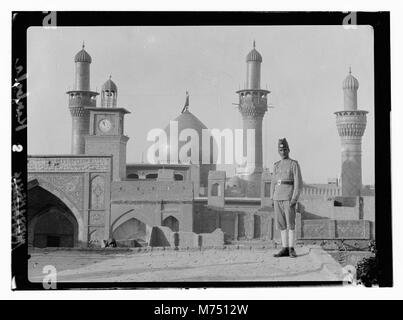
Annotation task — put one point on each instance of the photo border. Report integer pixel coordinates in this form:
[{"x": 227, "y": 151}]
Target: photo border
[{"x": 21, "y": 21}]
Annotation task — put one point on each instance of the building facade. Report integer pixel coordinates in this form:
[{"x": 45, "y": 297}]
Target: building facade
[{"x": 92, "y": 195}]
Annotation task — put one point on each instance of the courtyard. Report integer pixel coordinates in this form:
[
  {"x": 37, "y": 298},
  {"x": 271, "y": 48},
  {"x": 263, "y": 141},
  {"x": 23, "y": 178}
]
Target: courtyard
[{"x": 229, "y": 263}]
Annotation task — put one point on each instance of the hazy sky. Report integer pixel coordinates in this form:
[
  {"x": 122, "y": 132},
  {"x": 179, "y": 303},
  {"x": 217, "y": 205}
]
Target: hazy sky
[{"x": 303, "y": 68}]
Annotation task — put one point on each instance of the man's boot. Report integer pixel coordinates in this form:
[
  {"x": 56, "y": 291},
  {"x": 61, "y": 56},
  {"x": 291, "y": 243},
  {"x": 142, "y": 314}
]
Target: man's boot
[
  {"x": 292, "y": 253},
  {"x": 282, "y": 253}
]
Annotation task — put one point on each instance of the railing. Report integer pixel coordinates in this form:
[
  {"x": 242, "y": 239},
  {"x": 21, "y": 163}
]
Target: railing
[{"x": 321, "y": 191}]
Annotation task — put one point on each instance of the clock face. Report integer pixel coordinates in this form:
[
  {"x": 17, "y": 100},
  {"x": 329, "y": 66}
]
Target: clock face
[{"x": 105, "y": 125}]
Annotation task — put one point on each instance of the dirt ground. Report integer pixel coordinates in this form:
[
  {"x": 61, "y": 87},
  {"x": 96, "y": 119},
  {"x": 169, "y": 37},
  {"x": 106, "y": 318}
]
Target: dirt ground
[{"x": 312, "y": 264}]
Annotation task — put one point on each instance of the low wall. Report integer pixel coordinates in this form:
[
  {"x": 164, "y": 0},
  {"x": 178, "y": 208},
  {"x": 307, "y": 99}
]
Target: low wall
[
  {"x": 165, "y": 237},
  {"x": 186, "y": 240},
  {"x": 213, "y": 239},
  {"x": 334, "y": 229}
]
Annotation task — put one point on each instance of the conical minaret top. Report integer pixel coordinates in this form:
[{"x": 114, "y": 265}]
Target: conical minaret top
[
  {"x": 253, "y": 60},
  {"x": 350, "y": 87},
  {"x": 109, "y": 94},
  {"x": 82, "y": 60}
]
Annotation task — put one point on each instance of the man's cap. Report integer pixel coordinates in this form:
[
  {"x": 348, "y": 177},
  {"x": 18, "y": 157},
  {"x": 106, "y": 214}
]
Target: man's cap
[{"x": 282, "y": 143}]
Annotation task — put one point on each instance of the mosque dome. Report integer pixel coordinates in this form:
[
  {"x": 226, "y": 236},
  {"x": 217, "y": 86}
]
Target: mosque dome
[
  {"x": 82, "y": 56},
  {"x": 350, "y": 82},
  {"x": 188, "y": 120},
  {"x": 109, "y": 85}
]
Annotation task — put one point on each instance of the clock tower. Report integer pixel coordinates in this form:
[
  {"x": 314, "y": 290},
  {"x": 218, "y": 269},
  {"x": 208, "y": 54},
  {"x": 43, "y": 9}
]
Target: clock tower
[{"x": 106, "y": 134}]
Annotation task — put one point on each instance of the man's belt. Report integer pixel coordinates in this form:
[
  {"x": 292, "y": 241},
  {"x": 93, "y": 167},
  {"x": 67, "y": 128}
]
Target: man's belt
[{"x": 290, "y": 182}]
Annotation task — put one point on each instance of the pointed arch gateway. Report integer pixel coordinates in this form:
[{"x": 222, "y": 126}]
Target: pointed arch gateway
[
  {"x": 131, "y": 232},
  {"x": 172, "y": 223},
  {"x": 53, "y": 220}
]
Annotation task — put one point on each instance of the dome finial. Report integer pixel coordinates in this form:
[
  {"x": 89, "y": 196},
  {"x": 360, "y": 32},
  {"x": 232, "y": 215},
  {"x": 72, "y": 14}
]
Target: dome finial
[
  {"x": 349, "y": 70},
  {"x": 83, "y": 44},
  {"x": 186, "y": 106},
  {"x": 254, "y": 44},
  {"x": 110, "y": 77}
]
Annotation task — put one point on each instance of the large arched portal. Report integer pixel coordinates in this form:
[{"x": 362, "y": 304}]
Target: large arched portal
[
  {"x": 132, "y": 232},
  {"x": 172, "y": 223},
  {"x": 50, "y": 222}
]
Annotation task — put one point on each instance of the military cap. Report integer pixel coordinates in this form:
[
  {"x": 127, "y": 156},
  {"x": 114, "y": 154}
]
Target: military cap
[{"x": 282, "y": 143}]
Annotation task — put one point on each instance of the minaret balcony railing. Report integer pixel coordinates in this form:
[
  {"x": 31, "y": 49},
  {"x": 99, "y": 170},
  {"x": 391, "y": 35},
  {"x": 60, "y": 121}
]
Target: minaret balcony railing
[{"x": 82, "y": 101}]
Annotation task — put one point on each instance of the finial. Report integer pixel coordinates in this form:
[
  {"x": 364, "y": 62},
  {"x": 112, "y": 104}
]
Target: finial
[
  {"x": 349, "y": 70},
  {"x": 110, "y": 77},
  {"x": 83, "y": 45},
  {"x": 254, "y": 44},
  {"x": 186, "y": 106}
]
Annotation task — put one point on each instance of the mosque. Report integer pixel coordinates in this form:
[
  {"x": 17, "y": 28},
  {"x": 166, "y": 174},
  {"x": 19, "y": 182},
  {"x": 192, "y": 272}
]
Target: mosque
[{"x": 93, "y": 194}]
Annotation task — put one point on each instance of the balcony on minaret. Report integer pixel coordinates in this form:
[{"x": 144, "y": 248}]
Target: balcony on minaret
[
  {"x": 255, "y": 100},
  {"x": 82, "y": 98}
]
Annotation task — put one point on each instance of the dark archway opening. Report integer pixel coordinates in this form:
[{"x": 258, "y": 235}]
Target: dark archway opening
[
  {"x": 50, "y": 222},
  {"x": 152, "y": 176},
  {"x": 172, "y": 223},
  {"x": 178, "y": 177},
  {"x": 257, "y": 226},
  {"x": 132, "y": 233},
  {"x": 216, "y": 190}
]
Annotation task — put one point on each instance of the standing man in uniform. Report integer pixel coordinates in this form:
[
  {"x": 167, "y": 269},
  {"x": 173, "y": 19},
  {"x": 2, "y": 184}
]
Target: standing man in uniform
[{"x": 286, "y": 186}]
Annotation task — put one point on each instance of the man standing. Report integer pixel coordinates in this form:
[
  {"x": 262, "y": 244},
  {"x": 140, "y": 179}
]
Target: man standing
[{"x": 286, "y": 186}]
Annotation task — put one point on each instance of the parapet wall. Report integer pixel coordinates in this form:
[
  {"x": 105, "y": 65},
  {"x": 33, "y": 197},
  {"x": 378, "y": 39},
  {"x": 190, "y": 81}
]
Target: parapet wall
[
  {"x": 338, "y": 208},
  {"x": 324, "y": 191},
  {"x": 329, "y": 229}
]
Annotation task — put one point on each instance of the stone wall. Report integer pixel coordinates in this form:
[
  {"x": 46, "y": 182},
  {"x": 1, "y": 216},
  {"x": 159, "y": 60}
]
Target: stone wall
[
  {"x": 334, "y": 229},
  {"x": 237, "y": 222},
  {"x": 164, "y": 237},
  {"x": 151, "y": 202}
]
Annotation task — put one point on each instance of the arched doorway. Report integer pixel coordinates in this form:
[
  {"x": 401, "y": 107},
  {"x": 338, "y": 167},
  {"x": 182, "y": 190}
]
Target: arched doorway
[
  {"x": 172, "y": 223},
  {"x": 216, "y": 190},
  {"x": 133, "y": 232},
  {"x": 50, "y": 222}
]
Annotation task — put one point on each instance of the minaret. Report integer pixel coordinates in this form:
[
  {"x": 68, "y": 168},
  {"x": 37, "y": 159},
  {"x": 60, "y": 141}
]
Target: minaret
[
  {"x": 253, "y": 106},
  {"x": 80, "y": 99},
  {"x": 351, "y": 124}
]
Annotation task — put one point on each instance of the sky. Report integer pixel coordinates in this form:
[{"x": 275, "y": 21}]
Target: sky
[{"x": 153, "y": 67}]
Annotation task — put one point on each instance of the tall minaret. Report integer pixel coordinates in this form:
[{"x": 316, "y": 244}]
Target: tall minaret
[
  {"x": 351, "y": 124},
  {"x": 80, "y": 99},
  {"x": 253, "y": 106}
]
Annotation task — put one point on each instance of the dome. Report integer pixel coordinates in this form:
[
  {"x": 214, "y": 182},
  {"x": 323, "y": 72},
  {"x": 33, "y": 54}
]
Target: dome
[
  {"x": 188, "y": 120},
  {"x": 82, "y": 56},
  {"x": 350, "y": 82},
  {"x": 254, "y": 55},
  {"x": 109, "y": 85}
]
